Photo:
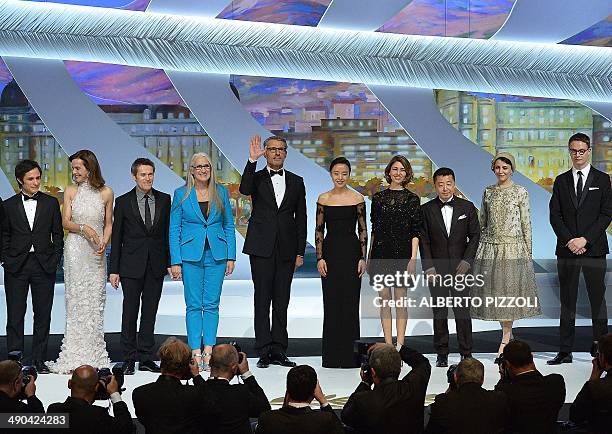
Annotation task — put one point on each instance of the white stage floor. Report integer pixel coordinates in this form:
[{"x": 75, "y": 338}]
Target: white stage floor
[{"x": 338, "y": 384}]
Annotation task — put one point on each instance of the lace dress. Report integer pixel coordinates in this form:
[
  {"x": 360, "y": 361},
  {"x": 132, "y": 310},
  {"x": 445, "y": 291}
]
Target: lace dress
[
  {"x": 504, "y": 257},
  {"x": 342, "y": 249},
  {"x": 85, "y": 289}
]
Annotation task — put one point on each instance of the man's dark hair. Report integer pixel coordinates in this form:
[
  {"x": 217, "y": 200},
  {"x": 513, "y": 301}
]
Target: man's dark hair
[
  {"x": 443, "y": 171},
  {"x": 23, "y": 167},
  {"x": 276, "y": 139},
  {"x": 386, "y": 361},
  {"x": 9, "y": 371},
  {"x": 605, "y": 347},
  {"x": 518, "y": 353},
  {"x": 580, "y": 137},
  {"x": 141, "y": 162},
  {"x": 340, "y": 160},
  {"x": 301, "y": 383},
  {"x": 223, "y": 357}
]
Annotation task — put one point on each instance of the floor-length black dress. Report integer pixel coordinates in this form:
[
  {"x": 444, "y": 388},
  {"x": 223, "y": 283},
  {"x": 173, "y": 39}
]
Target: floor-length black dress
[{"x": 342, "y": 248}]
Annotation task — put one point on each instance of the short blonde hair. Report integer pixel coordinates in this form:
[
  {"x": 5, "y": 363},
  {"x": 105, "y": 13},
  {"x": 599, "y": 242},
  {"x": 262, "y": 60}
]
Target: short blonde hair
[{"x": 175, "y": 356}]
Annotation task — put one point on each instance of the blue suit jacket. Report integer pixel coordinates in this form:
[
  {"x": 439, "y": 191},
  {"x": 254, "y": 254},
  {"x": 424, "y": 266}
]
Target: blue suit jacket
[{"x": 189, "y": 229}]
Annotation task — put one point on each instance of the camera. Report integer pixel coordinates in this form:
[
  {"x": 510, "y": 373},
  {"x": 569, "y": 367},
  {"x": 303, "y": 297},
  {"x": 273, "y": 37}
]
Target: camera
[
  {"x": 503, "y": 368},
  {"x": 104, "y": 378},
  {"x": 29, "y": 372},
  {"x": 238, "y": 349},
  {"x": 450, "y": 377},
  {"x": 363, "y": 359}
]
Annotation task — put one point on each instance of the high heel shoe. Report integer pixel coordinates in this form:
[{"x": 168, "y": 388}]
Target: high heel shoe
[
  {"x": 199, "y": 361},
  {"x": 206, "y": 362}
]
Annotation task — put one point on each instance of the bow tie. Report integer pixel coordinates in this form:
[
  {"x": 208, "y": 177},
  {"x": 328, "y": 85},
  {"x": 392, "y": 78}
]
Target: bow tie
[
  {"x": 26, "y": 197},
  {"x": 449, "y": 203},
  {"x": 275, "y": 172}
]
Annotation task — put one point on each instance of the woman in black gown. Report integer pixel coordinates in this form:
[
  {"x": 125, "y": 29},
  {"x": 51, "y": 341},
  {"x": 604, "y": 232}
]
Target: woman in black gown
[
  {"x": 396, "y": 221},
  {"x": 341, "y": 263}
]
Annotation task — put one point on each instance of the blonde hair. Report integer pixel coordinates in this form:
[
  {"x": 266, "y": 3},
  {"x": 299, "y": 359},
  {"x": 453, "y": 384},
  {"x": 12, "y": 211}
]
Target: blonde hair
[
  {"x": 213, "y": 194},
  {"x": 175, "y": 355}
]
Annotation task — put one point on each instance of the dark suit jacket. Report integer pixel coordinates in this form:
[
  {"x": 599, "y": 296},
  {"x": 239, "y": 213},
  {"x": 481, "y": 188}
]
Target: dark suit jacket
[
  {"x": 443, "y": 251},
  {"x": 93, "y": 419},
  {"x": 394, "y": 406},
  {"x": 12, "y": 405},
  {"x": 535, "y": 401},
  {"x": 589, "y": 218},
  {"x": 132, "y": 243},
  {"x": 47, "y": 235},
  {"x": 299, "y": 420},
  {"x": 237, "y": 403},
  {"x": 270, "y": 224},
  {"x": 167, "y": 406},
  {"x": 469, "y": 410},
  {"x": 593, "y": 405}
]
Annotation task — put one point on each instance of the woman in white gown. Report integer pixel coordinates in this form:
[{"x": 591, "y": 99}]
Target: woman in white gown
[{"x": 87, "y": 216}]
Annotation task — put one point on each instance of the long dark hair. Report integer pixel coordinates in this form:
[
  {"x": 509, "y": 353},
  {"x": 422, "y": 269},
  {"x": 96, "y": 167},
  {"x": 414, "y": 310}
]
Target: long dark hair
[{"x": 90, "y": 161}]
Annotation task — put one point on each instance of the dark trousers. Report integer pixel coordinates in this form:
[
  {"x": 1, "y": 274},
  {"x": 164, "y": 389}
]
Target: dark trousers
[
  {"x": 31, "y": 275},
  {"x": 149, "y": 288},
  {"x": 272, "y": 282},
  {"x": 594, "y": 272},
  {"x": 463, "y": 321}
]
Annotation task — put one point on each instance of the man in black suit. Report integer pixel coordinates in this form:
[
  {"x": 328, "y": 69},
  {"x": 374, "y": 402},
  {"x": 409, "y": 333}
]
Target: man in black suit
[
  {"x": 275, "y": 243},
  {"x": 237, "y": 402},
  {"x": 580, "y": 212},
  {"x": 32, "y": 243},
  {"x": 168, "y": 406},
  {"x": 11, "y": 386},
  {"x": 534, "y": 399},
  {"x": 593, "y": 404},
  {"x": 86, "y": 417},
  {"x": 393, "y": 406},
  {"x": 448, "y": 246},
  {"x": 139, "y": 259},
  {"x": 296, "y": 416},
  {"x": 468, "y": 408}
]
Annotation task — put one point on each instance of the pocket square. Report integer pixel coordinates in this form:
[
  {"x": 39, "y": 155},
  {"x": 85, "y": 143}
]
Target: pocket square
[
  {"x": 462, "y": 217},
  {"x": 593, "y": 188}
]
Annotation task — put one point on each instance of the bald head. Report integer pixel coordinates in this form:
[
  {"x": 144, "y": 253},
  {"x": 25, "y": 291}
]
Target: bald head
[
  {"x": 224, "y": 361},
  {"x": 84, "y": 380}
]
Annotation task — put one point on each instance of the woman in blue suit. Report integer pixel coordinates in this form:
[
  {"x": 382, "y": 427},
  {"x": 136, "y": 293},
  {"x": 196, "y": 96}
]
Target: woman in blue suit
[{"x": 202, "y": 251}]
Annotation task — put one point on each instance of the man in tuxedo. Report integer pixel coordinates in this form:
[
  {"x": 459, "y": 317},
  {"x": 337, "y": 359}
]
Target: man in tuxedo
[
  {"x": 393, "y": 406},
  {"x": 448, "y": 246},
  {"x": 534, "y": 399},
  {"x": 275, "y": 242},
  {"x": 168, "y": 406},
  {"x": 468, "y": 408},
  {"x": 139, "y": 260},
  {"x": 237, "y": 402},
  {"x": 296, "y": 416},
  {"x": 83, "y": 415},
  {"x": 580, "y": 212},
  {"x": 32, "y": 243}
]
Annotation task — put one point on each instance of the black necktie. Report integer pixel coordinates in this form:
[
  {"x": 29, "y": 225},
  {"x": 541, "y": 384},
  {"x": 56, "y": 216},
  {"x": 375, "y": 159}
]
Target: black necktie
[
  {"x": 26, "y": 197},
  {"x": 274, "y": 172},
  {"x": 579, "y": 186},
  {"x": 148, "y": 223}
]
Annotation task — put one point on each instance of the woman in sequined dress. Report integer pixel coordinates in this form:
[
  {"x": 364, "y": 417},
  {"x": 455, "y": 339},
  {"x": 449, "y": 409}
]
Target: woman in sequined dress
[
  {"x": 87, "y": 216},
  {"x": 396, "y": 220},
  {"x": 504, "y": 257}
]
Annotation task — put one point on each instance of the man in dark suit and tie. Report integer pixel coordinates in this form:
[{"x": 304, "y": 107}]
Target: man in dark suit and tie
[
  {"x": 32, "y": 243},
  {"x": 275, "y": 243},
  {"x": 580, "y": 212},
  {"x": 448, "y": 246},
  {"x": 139, "y": 259}
]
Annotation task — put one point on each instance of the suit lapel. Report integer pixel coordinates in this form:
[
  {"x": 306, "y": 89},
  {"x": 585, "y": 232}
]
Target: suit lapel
[
  {"x": 21, "y": 211},
  {"x": 133, "y": 199},
  {"x": 39, "y": 204},
  {"x": 288, "y": 185},
  {"x": 157, "y": 207},
  {"x": 570, "y": 185},
  {"x": 457, "y": 212},
  {"x": 587, "y": 184},
  {"x": 268, "y": 181},
  {"x": 437, "y": 212},
  {"x": 193, "y": 198}
]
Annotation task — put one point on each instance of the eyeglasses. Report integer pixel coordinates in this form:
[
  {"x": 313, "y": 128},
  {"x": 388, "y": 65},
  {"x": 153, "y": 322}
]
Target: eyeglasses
[
  {"x": 275, "y": 150},
  {"x": 201, "y": 167},
  {"x": 579, "y": 152}
]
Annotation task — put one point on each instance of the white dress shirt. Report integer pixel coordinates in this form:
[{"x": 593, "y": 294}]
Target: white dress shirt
[
  {"x": 585, "y": 174},
  {"x": 278, "y": 182},
  {"x": 30, "y": 210},
  {"x": 447, "y": 215}
]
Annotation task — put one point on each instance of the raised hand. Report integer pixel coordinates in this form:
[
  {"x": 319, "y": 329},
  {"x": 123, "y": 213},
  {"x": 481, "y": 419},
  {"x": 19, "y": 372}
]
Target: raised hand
[{"x": 255, "y": 148}]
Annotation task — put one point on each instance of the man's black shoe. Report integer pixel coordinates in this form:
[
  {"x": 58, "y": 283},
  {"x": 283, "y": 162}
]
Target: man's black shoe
[
  {"x": 281, "y": 360},
  {"x": 263, "y": 362},
  {"x": 149, "y": 365},
  {"x": 442, "y": 361},
  {"x": 128, "y": 367},
  {"x": 41, "y": 367},
  {"x": 560, "y": 358},
  {"x": 466, "y": 356}
]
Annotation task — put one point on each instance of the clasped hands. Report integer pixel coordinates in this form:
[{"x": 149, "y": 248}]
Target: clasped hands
[
  {"x": 92, "y": 236},
  {"x": 577, "y": 245}
]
